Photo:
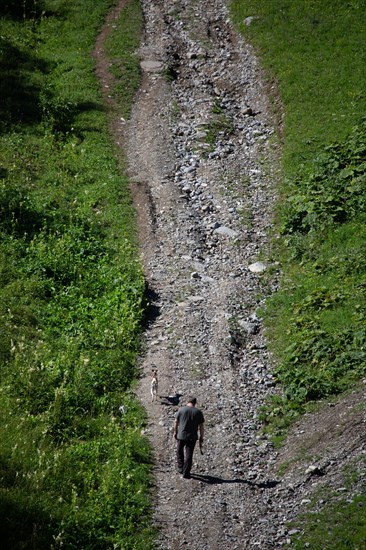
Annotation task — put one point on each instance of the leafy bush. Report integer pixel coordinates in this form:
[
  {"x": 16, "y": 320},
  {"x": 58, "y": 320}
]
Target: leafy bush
[
  {"x": 333, "y": 189},
  {"x": 322, "y": 360},
  {"x": 319, "y": 364}
]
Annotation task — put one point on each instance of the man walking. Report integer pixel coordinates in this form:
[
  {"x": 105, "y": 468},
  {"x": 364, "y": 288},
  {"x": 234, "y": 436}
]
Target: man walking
[{"x": 188, "y": 421}]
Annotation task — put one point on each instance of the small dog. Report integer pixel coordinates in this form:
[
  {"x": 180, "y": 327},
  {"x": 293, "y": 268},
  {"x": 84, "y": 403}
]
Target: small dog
[{"x": 154, "y": 384}]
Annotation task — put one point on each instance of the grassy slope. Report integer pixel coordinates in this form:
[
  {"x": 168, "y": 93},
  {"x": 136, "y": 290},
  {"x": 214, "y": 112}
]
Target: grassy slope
[
  {"x": 315, "y": 50},
  {"x": 323, "y": 206},
  {"x": 73, "y": 473}
]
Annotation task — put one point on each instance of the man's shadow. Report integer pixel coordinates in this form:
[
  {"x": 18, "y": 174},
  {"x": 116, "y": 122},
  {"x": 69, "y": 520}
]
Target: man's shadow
[{"x": 212, "y": 480}]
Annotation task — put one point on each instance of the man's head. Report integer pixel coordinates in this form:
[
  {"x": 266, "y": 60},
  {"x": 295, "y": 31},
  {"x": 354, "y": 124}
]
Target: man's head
[{"x": 191, "y": 400}]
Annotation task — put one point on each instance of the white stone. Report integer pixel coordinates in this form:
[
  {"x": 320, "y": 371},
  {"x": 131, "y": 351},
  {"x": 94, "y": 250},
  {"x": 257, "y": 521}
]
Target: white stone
[
  {"x": 151, "y": 66},
  {"x": 257, "y": 267}
]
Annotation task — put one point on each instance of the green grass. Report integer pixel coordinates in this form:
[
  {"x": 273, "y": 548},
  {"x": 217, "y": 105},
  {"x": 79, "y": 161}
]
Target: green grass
[
  {"x": 122, "y": 50},
  {"x": 316, "y": 322},
  {"x": 314, "y": 52},
  {"x": 73, "y": 471},
  {"x": 339, "y": 525}
]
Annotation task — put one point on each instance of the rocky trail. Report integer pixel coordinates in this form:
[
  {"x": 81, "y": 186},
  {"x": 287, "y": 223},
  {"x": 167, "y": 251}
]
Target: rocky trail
[{"x": 203, "y": 160}]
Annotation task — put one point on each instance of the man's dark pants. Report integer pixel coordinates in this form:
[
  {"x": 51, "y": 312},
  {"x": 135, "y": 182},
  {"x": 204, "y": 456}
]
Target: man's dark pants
[{"x": 185, "y": 448}]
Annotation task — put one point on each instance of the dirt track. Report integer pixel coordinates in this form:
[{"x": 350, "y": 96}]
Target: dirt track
[{"x": 203, "y": 163}]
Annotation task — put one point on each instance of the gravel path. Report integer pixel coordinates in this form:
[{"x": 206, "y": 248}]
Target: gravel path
[
  {"x": 199, "y": 151},
  {"x": 203, "y": 160}
]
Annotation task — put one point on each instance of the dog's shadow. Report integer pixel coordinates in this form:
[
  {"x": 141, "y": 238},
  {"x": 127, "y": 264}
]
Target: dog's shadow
[
  {"x": 172, "y": 400},
  {"x": 213, "y": 480}
]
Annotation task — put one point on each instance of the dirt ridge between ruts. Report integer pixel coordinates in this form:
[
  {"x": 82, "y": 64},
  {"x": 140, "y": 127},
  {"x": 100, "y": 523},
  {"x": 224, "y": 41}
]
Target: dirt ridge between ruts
[{"x": 203, "y": 165}]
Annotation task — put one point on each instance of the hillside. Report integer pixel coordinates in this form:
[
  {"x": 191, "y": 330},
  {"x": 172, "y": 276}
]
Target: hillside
[
  {"x": 204, "y": 166},
  {"x": 182, "y": 199}
]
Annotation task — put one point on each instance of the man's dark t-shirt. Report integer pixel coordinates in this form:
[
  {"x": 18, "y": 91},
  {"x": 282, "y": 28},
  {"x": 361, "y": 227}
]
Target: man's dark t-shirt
[{"x": 189, "y": 419}]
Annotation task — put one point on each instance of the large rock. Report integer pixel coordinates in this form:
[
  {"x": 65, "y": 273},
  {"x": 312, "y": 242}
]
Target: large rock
[
  {"x": 226, "y": 232},
  {"x": 258, "y": 267}
]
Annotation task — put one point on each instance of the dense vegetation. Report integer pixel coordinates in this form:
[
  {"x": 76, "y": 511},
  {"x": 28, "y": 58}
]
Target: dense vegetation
[
  {"x": 73, "y": 469},
  {"x": 314, "y": 52}
]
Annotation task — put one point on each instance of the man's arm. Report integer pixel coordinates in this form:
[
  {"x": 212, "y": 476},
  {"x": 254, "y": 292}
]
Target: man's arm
[
  {"x": 175, "y": 428},
  {"x": 202, "y": 431}
]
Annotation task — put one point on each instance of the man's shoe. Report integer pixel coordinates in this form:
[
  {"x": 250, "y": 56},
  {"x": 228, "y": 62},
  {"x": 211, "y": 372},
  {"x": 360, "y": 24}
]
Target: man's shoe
[
  {"x": 180, "y": 470},
  {"x": 187, "y": 477}
]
